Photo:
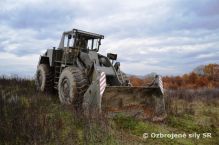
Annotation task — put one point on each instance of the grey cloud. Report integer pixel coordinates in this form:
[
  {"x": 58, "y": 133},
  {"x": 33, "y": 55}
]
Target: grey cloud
[
  {"x": 200, "y": 7},
  {"x": 170, "y": 37},
  {"x": 36, "y": 17},
  {"x": 202, "y": 14}
]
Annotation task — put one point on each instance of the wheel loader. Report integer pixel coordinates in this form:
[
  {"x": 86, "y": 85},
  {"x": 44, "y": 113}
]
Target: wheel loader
[{"x": 91, "y": 81}]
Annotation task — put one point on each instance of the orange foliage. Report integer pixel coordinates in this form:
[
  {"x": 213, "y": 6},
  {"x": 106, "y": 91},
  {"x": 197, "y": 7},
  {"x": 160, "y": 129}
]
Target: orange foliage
[
  {"x": 212, "y": 71},
  {"x": 202, "y": 81},
  {"x": 210, "y": 79},
  {"x": 136, "y": 81},
  {"x": 189, "y": 81},
  {"x": 193, "y": 77}
]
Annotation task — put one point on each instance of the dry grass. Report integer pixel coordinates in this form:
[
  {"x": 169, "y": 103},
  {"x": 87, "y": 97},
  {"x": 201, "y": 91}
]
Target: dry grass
[
  {"x": 29, "y": 117},
  {"x": 186, "y": 101}
]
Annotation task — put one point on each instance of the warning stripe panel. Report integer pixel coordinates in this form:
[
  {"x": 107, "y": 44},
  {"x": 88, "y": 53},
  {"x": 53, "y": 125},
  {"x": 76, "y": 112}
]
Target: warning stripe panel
[
  {"x": 102, "y": 82},
  {"x": 102, "y": 87},
  {"x": 161, "y": 84},
  {"x": 102, "y": 77}
]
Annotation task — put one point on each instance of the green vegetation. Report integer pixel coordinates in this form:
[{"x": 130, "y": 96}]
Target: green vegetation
[{"x": 29, "y": 117}]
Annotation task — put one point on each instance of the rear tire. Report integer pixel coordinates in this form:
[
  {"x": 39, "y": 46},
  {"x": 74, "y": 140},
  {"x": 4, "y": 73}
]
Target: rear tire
[
  {"x": 72, "y": 85},
  {"x": 44, "y": 78}
]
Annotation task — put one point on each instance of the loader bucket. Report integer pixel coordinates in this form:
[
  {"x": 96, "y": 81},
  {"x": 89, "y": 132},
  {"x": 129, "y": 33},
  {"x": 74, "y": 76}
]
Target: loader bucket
[
  {"x": 139, "y": 102},
  {"x": 144, "y": 102}
]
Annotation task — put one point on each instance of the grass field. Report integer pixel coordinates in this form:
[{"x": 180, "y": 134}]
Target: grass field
[{"x": 29, "y": 117}]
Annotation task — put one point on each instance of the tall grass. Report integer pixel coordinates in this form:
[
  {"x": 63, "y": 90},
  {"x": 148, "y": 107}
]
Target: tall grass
[
  {"x": 183, "y": 100},
  {"x": 29, "y": 117}
]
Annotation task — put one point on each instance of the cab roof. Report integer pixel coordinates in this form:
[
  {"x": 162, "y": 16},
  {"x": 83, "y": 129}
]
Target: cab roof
[{"x": 85, "y": 33}]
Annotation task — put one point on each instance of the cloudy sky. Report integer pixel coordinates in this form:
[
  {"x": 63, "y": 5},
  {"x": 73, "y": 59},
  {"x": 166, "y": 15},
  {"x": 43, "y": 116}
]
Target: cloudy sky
[{"x": 170, "y": 37}]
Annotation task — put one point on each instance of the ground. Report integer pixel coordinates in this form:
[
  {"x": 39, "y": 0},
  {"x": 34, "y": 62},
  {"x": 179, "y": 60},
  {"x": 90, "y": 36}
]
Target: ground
[{"x": 29, "y": 117}]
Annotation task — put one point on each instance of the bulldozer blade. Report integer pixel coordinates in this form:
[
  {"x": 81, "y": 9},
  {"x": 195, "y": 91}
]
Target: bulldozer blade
[{"x": 139, "y": 102}]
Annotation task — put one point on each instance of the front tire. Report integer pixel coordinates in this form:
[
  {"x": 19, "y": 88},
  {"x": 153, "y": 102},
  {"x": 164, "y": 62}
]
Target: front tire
[
  {"x": 44, "y": 78},
  {"x": 72, "y": 85}
]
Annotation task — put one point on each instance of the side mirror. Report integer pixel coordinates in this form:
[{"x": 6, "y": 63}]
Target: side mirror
[
  {"x": 117, "y": 65},
  {"x": 112, "y": 56}
]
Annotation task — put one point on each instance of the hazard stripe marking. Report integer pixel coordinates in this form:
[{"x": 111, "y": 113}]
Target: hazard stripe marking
[
  {"x": 102, "y": 82},
  {"x": 161, "y": 84}
]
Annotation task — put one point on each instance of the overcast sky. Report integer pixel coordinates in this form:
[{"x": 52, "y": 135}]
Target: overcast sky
[{"x": 169, "y": 37}]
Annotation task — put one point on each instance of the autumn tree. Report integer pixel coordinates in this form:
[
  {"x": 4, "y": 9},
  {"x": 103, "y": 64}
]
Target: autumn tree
[
  {"x": 192, "y": 80},
  {"x": 209, "y": 70},
  {"x": 178, "y": 81},
  {"x": 136, "y": 81},
  {"x": 202, "y": 81},
  {"x": 193, "y": 77}
]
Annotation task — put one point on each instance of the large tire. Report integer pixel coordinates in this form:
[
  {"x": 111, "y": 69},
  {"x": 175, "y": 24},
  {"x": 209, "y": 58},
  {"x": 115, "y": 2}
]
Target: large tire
[
  {"x": 72, "y": 85},
  {"x": 44, "y": 78}
]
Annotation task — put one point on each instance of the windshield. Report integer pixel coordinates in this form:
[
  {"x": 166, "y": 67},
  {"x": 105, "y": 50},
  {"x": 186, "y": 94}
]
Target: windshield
[{"x": 93, "y": 44}]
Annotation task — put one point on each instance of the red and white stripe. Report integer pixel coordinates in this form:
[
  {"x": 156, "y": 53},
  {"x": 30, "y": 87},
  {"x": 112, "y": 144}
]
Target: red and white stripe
[
  {"x": 102, "y": 83},
  {"x": 161, "y": 84}
]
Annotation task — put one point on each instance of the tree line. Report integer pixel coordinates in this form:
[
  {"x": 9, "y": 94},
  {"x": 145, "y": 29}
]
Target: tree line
[{"x": 207, "y": 76}]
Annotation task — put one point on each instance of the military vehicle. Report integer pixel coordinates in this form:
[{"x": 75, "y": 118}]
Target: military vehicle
[{"x": 91, "y": 81}]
